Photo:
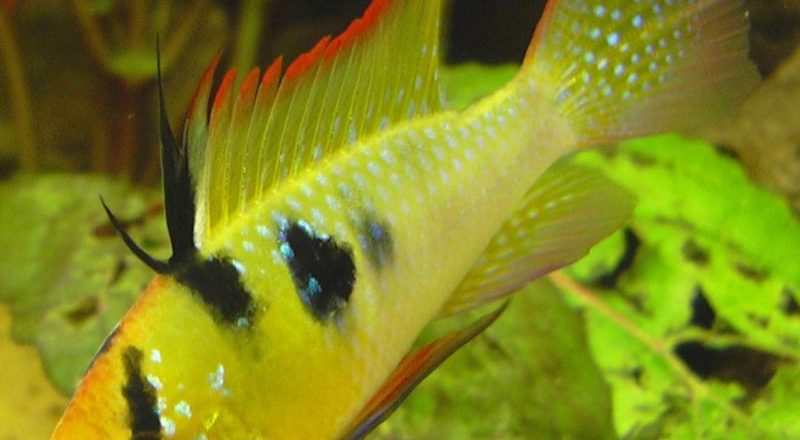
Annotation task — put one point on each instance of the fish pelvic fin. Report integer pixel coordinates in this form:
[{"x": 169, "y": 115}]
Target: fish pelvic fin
[
  {"x": 626, "y": 68},
  {"x": 413, "y": 369},
  {"x": 568, "y": 210},
  {"x": 276, "y": 126}
]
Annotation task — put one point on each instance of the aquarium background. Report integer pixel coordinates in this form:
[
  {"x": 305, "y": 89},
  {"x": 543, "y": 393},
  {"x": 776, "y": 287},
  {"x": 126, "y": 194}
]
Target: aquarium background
[{"x": 684, "y": 324}]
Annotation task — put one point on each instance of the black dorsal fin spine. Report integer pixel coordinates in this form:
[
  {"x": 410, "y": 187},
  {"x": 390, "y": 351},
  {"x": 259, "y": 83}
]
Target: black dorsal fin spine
[
  {"x": 214, "y": 279},
  {"x": 178, "y": 197},
  {"x": 158, "y": 266},
  {"x": 178, "y": 191}
]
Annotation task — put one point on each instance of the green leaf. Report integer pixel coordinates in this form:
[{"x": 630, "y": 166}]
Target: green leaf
[
  {"x": 701, "y": 318},
  {"x": 69, "y": 278}
]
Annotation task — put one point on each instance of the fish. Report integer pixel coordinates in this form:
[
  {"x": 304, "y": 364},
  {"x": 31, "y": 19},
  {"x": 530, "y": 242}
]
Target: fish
[{"x": 320, "y": 217}]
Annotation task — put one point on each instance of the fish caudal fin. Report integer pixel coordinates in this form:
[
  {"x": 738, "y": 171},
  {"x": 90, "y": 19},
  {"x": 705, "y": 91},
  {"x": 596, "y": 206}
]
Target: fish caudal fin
[{"x": 627, "y": 68}]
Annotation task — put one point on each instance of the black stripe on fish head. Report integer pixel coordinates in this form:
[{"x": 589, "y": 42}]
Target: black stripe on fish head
[
  {"x": 143, "y": 419},
  {"x": 322, "y": 268},
  {"x": 217, "y": 281}
]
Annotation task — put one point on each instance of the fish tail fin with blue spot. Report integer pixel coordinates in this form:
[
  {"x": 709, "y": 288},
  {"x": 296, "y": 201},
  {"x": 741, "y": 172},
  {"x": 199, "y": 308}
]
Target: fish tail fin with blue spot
[{"x": 627, "y": 68}]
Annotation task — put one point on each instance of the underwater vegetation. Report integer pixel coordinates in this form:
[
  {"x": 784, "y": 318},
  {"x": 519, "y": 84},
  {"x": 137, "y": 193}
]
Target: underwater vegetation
[{"x": 685, "y": 323}]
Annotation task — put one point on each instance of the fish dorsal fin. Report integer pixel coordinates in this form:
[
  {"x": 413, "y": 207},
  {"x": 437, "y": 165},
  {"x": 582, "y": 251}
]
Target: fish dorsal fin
[
  {"x": 569, "y": 209},
  {"x": 381, "y": 70},
  {"x": 412, "y": 370}
]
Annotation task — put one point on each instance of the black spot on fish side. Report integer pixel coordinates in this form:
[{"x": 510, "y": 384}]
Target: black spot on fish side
[
  {"x": 219, "y": 285},
  {"x": 376, "y": 241},
  {"x": 323, "y": 270},
  {"x": 141, "y": 398}
]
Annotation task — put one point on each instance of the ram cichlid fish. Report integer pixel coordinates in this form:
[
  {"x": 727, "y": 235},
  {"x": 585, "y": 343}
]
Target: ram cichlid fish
[{"x": 321, "y": 217}]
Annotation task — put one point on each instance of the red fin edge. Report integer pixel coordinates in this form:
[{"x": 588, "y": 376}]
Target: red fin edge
[
  {"x": 221, "y": 100},
  {"x": 325, "y": 49},
  {"x": 250, "y": 82},
  {"x": 304, "y": 62},
  {"x": 273, "y": 73},
  {"x": 205, "y": 84},
  {"x": 412, "y": 370}
]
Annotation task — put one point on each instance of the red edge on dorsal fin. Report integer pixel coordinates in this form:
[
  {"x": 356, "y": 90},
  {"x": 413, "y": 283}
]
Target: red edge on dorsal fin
[
  {"x": 205, "y": 84},
  {"x": 250, "y": 83},
  {"x": 325, "y": 49},
  {"x": 272, "y": 74},
  {"x": 374, "y": 12},
  {"x": 244, "y": 104},
  {"x": 328, "y": 48},
  {"x": 224, "y": 88},
  {"x": 344, "y": 38},
  {"x": 222, "y": 97},
  {"x": 358, "y": 27},
  {"x": 304, "y": 62}
]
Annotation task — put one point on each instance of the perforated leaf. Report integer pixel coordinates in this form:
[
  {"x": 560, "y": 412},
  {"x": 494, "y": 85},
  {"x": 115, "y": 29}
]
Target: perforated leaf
[{"x": 695, "y": 322}]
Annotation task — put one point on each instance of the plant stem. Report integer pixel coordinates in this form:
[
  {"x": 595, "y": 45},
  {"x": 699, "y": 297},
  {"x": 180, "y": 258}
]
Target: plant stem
[
  {"x": 127, "y": 130},
  {"x": 137, "y": 25},
  {"x": 251, "y": 22},
  {"x": 179, "y": 37},
  {"x": 697, "y": 387},
  {"x": 20, "y": 99},
  {"x": 94, "y": 36}
]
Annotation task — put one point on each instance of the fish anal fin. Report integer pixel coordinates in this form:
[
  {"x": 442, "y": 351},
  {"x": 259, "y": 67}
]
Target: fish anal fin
[
  {"x": 569, "y": 209},
  {"x": 411, "y": 371}
]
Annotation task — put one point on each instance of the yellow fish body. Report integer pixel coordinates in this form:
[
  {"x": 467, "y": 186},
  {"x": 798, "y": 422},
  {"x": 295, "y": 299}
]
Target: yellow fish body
[{"x": 321, "y": 219}]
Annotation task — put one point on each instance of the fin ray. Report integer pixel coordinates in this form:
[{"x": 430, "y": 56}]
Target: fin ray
[
  {"x": 412, "y": 370},
  {"x": 345, "y": 88},
  {"x": 569, "y": 209},
  {"x": 634, "y": 68}
]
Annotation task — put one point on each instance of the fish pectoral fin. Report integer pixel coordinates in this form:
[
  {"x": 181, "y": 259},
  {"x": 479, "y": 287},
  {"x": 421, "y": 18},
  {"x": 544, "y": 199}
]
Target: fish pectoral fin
[
  {"x": 568, "y": 209},
  {"x": 412, "y": 370}
]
